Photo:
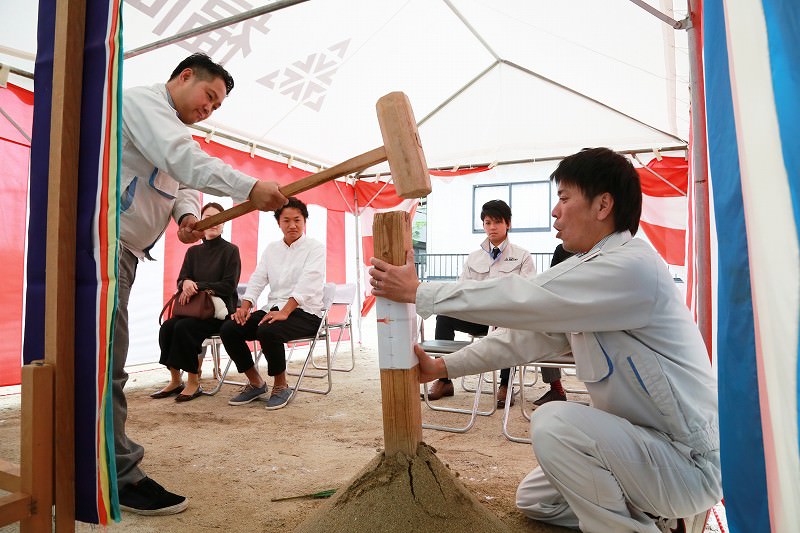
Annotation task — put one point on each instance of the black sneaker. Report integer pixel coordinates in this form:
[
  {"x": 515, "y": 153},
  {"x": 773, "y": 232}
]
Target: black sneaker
[{"x": 151, "y": 499}]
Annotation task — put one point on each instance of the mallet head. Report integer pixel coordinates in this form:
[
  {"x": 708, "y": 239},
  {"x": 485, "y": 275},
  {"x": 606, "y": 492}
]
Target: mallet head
[{"x": 403, "y": 147}]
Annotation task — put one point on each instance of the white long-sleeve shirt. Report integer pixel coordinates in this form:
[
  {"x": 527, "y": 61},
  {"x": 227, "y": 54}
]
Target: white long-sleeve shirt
[
  {"x": 296, "y": 271},
  {"x": 618, "y": 311},
  {"x": 163, "y": 168}
]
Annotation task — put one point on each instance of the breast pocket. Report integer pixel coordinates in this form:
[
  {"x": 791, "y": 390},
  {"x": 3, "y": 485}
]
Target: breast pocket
[
  {"x": 592, "y": 364},
  {"x": 478, "y": 272},
  {"x": 163, "y": 184},
  {"x": 508, "y": 267}
]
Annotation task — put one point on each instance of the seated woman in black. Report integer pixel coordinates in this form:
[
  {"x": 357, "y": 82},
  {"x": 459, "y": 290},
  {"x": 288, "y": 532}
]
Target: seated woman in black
[{"x": 214, "y": 265}]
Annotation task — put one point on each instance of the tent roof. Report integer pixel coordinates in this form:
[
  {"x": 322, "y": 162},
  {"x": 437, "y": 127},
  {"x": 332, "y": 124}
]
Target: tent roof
[{"x": 488, "y": 80}]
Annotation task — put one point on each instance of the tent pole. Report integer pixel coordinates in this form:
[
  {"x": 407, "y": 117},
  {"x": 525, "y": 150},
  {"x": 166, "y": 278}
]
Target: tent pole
[
  {"x": 359, "y": 266},
  {"x": 699, "y": 148},
  {"x": 677, "y": 24},
  {"x": 542, "y": 159},
  {"x": 235, "y": 19},
  {"x": 211, "y": 133}
]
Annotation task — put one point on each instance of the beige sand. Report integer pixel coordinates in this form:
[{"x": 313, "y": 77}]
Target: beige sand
[
  {"x": 231, "y": 461},
  {"x": 400, "y": 494}
]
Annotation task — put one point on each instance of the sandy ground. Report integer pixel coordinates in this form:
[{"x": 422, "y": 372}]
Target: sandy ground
[{"x": 231, "y": 461}]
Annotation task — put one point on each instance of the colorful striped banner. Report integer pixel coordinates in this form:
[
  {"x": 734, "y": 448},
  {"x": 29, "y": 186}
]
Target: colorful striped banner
[
  {"x": 752, "y": 56},
  {"x": 96, "y": 245}
]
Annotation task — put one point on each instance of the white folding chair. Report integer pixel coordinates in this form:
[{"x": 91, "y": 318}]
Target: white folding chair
[
  {"x": 340, "y": 319},
  {"x": 214, "y": 342},
  {"x": 437, "y": 348},
  {"x": 322, "y": 334},
  {"x": 565, "y": 361}
]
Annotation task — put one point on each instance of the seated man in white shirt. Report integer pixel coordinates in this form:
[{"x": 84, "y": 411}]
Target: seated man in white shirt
[
  {"x": 645, "y": 456},
  {"x": 294, "y": 269},
  {"x": 497, "y": 256}
]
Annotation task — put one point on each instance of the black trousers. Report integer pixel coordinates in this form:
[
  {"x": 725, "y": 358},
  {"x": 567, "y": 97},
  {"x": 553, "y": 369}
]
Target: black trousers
[
  {"x": 181, "y": 338},
  {"x": 299, "y": 324},
  {"x": 550, "y": 375},
  {"x": 446, "y": 327}
]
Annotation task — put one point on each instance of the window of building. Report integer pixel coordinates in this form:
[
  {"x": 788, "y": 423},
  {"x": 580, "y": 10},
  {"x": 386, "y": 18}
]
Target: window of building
[{"x": 530, "y": 203}]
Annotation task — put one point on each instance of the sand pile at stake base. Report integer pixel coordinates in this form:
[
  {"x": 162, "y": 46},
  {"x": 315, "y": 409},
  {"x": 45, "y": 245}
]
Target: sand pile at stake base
[{"x": 401, "y": 494}]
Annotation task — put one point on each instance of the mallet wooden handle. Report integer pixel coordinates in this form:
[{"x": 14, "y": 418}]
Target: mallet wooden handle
[{"x": 355, "y": 164}]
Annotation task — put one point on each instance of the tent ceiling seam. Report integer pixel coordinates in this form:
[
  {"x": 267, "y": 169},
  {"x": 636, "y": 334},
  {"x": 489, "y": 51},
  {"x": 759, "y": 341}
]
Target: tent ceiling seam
[
  {"x": 456, "y": 94},
  {"x": 229, "y": 21},
  {"x": 589, "y": 98},
  {"x": 472, "y": 30}
]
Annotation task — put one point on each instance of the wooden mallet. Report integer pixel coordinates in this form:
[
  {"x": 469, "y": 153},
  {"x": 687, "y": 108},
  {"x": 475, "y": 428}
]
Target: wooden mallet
[{"x": 401, "y": 148}]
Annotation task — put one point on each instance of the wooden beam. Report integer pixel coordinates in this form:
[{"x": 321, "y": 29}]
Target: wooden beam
[
  {"x": 36, "y": 461},
  {"x": 402, "y": 415},
  {"x": 61, "y": 222},
  {"x": 9, "y": 476},
  {"x": 14, "y": 507}
]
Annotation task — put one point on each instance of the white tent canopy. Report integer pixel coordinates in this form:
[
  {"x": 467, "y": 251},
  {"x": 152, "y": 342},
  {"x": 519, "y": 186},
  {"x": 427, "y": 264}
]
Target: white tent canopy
[{"x": 489, "y": 80}]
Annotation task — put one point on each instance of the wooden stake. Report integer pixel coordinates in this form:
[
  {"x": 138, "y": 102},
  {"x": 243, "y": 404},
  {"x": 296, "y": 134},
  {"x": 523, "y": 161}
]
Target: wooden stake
[
  {"x": 402, "y": 416},
  {"x": 65, "y": 127}
]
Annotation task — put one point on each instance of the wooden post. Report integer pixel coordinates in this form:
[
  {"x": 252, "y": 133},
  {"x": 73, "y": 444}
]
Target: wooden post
[
  {"x": 402, "y": 416},
  {"x": 59, "y": 328},
  {"x": 699, "y": 175},
  {"x": 36, "y": 461}
]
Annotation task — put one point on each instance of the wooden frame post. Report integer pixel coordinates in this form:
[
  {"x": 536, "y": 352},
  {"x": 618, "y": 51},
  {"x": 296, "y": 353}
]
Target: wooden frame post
[
  {"x": 402, "y": 412},
  {"x": 59, "y": 344},
  {"x": 48, "y": 389},
  {"x": 31, "y": 482},
  {"x": 36, "y": 452}
]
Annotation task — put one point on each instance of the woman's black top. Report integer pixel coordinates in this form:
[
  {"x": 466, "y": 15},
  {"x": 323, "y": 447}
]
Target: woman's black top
[{"x": 214, "y": 265}]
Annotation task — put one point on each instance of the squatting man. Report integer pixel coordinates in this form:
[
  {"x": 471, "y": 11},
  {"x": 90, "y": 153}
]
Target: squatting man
[{"x": 645, "y": 456}]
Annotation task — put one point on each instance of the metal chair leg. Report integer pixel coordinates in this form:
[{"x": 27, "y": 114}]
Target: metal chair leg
[
  {"x": 474, "y": 412},
  {"x": 507, "y": 409}
]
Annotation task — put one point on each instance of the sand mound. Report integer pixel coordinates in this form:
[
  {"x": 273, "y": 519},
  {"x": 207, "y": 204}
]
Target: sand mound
[{"x": 401, "y": 494}]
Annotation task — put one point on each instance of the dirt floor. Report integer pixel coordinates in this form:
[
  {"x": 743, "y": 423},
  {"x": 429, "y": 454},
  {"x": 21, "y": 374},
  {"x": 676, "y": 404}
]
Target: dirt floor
[{"x": 231, "y": 461}]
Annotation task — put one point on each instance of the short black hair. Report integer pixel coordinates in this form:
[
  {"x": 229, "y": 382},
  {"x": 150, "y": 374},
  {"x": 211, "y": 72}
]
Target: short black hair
[
  {"x": 295, "y": 203},
  {"x": 215, "y": 205},
  {"x": 598, "y": 170},
  {"x": 496, "y": 209},
  {"x": 204, "y": 68}
]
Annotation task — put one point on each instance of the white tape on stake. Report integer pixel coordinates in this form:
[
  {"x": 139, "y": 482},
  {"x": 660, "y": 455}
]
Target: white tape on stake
[{"x": 397, "y": 334}]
